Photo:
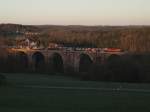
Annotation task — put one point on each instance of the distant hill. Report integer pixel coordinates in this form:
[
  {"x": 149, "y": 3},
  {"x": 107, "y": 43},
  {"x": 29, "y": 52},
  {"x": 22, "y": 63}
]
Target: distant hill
[{"x": 15, "y": 29}]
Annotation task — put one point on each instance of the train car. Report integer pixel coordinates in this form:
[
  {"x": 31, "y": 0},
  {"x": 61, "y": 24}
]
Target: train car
[{"x": 112, "y": 50}]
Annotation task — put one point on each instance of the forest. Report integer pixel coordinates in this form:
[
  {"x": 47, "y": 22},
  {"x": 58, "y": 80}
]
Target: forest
[{"x": 130, "y": 38}]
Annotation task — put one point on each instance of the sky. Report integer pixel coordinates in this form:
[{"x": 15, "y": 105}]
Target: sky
[{"x": 75, "y": 12}]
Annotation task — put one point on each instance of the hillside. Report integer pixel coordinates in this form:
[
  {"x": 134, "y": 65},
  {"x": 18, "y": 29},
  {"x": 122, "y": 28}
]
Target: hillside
[
  {"x": 15, "y": 29},
  {"x": 132, "y": 38}
]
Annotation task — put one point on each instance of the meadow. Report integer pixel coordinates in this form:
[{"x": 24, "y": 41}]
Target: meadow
[{"x": 56, "y": 93}]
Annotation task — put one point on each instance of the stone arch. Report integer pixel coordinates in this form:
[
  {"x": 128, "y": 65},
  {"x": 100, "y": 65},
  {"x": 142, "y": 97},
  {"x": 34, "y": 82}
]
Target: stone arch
[
  {"x": 22, "y": 61},
  {"x": 114, "y": 67},
  {"x": 113, "y": 58},
  {"x": 57, "y": 63},
  {"x": 85, "y": 62},
  {"x": 38, "y": 60}
]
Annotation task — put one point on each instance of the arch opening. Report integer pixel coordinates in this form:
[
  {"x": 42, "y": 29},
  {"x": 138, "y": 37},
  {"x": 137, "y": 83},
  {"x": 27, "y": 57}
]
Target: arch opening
[
  {"x": 38, "y": 61},
  {"x": 57, "y": 63},
  {"x": 85, "y": 63},
  {"x": 113, "y": 58},
  {"x": 21, "y": 61}
]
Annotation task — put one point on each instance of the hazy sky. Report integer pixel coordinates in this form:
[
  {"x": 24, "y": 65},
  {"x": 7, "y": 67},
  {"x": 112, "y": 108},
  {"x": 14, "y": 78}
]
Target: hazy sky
[{"x": 76, "y": 12}]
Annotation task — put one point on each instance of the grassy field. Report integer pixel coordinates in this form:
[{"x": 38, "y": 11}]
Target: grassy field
[{"x": 45, "y": 93}]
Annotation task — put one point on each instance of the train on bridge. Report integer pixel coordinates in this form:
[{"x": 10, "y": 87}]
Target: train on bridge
[
  {"x": 62, "y": 59},
  {"x": 58, "y": 57}
]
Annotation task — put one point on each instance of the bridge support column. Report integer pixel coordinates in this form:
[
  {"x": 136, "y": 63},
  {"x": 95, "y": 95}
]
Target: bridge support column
[
  {"x": 69, "y": 62},
  {"x": 31, "y": 64}
]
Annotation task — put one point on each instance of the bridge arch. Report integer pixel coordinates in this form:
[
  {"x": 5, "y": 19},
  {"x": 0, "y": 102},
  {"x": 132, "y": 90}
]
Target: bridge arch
[
  {"x": 113, "y": 58},
  {"x": 85, "y": 62},
  {"x": 57, "y": 63},
  {"x": 22, "y": 60},
  {"x": 38, "y": 60}
]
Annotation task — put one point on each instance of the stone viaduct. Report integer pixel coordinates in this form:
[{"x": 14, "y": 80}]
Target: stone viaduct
[{"x": 61, "y": 60}]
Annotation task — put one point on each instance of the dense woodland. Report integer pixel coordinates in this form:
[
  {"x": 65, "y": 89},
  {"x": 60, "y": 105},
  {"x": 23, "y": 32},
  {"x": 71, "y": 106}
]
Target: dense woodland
[{"x": 131, "y": 38}]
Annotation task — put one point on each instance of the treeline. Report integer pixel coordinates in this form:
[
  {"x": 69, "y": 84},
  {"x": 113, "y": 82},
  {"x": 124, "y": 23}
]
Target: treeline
[
  {"x": 135, "y": 39},
  {"x": 15, "y": 30},
  {"x": 131, "y": 38}
]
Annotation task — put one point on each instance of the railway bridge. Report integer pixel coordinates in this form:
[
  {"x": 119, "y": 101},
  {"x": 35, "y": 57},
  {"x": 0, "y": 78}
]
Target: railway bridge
[{"x": 61, "y": 60}]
